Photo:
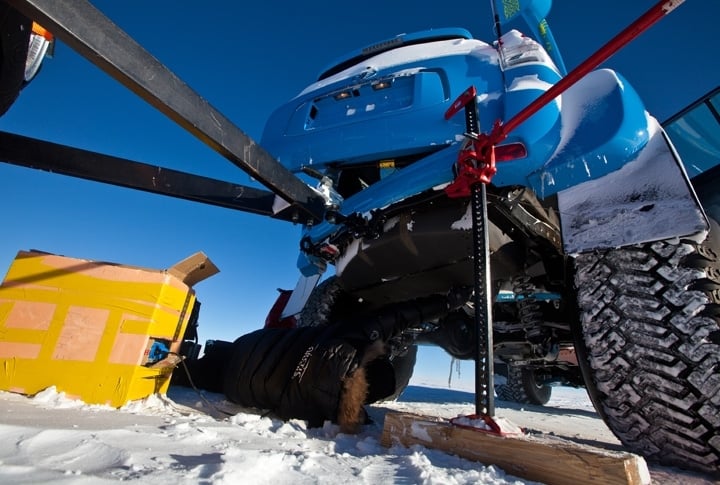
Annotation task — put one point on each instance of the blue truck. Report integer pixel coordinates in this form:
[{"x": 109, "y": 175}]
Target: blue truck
[
  {"x": 602, "y": 223},
  {"x": 604, "y": 264}
]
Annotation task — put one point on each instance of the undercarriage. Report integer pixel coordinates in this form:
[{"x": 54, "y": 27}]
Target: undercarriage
[{"x": 425, "y": 247}]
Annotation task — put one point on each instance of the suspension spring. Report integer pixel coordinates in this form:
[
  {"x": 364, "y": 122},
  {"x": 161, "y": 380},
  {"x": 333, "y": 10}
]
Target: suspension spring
[{"x": 529, "y": 311}]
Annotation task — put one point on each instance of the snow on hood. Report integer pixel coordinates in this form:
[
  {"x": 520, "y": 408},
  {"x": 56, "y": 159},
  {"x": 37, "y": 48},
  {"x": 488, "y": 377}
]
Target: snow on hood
[
  {"x": 529, "y": 82},
  {"x": 578, "y": 98},
  {"x": 410, "y": 54}
]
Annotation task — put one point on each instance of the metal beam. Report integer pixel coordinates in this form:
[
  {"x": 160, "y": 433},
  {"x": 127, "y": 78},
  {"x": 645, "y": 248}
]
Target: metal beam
[
  {"x": 51, "y": 157},
  {"x": 89, "y": 32}
]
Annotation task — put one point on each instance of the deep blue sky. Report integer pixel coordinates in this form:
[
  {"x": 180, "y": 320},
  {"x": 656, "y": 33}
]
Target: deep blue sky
[{"x": 246, "y": 58}]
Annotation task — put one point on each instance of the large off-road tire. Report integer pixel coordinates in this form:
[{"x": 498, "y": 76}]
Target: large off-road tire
[
  {"x": 521, "y": 386},
  {"x": 14, "y": 40},
  {"x": 329, "y": 302},
  {"x": 403, "y": 366},
  {"x": 651, "y": 330}
]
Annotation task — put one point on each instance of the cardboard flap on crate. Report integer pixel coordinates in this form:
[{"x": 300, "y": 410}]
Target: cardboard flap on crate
[{"x": 194, "y": 269}]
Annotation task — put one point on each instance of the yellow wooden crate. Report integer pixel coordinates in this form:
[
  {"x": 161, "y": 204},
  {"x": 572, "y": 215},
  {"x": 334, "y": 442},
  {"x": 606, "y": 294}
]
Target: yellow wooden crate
[{"x": 87, "y": 327}]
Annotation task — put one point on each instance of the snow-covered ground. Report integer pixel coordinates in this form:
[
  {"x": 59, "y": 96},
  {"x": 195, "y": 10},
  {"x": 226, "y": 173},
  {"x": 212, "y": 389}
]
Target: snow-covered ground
[{"x": 185, "y": 437}]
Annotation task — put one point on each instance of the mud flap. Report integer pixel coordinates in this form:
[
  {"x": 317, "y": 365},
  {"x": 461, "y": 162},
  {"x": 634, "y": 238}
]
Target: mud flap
[{"x": 648, "y": 199}]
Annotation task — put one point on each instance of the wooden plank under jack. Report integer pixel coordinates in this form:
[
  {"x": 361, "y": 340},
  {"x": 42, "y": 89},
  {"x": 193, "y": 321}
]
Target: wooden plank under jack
[{"x": 544, "y": 459}]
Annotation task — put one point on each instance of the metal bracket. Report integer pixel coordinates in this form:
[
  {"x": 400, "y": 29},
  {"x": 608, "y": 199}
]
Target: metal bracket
[
  {"x": 61, "y": 159},
  {"x": 85, "y": 29}
]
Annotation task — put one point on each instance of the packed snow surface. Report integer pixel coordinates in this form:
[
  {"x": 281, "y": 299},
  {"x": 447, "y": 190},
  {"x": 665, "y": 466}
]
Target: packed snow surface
[{"x": 186, "y": 437}]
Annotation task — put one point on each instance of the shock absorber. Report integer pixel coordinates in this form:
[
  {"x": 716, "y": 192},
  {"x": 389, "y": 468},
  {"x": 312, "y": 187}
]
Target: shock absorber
[{"x": 530, "y": 315}]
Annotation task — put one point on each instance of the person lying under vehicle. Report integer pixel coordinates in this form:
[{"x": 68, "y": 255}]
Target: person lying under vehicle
[{"x": 320, "y": 373}]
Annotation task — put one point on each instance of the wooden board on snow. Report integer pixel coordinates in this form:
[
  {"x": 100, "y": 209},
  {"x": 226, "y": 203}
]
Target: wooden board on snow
[{"x": 540, "y": 458}]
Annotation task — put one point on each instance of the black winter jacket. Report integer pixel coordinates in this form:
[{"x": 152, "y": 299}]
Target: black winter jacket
[
  {"x": 296, "y": 373},
  {"x": 302, "y": 372}
]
